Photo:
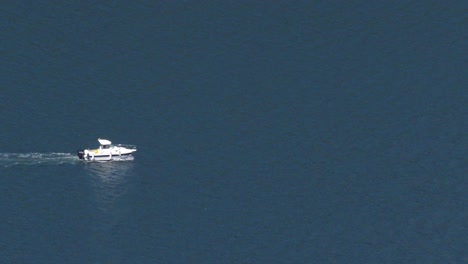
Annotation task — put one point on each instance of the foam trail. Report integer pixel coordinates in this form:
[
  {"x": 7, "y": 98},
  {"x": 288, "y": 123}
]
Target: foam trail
[{"x": 34, "y": 158}]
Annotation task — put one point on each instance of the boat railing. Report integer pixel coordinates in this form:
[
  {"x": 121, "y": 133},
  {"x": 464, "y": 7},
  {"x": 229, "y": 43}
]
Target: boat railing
[{"x": 127, "y": 146}]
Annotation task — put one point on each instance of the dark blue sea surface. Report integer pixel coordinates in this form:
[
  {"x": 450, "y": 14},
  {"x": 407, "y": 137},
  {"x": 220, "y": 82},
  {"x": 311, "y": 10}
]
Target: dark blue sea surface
[{"x": 267, "y": 131}]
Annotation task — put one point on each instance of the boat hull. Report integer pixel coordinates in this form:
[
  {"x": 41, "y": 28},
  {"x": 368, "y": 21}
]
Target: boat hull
[{"x": 89, "y": 156}]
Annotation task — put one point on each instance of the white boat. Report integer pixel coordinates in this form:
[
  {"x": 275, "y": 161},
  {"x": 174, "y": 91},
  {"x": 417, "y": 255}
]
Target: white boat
[{"x": 107, "y": 151}]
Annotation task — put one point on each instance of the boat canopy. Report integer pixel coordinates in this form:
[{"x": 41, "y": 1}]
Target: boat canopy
[{"x": 104, "y": 141}]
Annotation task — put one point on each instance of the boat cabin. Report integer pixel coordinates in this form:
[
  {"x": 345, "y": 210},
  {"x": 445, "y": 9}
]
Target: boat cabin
[{"x": 105, "y": 144}]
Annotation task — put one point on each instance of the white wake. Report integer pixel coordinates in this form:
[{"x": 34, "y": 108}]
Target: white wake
[{"x": 33, "y": 158}]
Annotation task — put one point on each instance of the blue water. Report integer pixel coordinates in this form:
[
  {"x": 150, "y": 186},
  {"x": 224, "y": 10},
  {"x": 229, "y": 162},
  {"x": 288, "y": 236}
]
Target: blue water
[{"x": 267, "y": 132}]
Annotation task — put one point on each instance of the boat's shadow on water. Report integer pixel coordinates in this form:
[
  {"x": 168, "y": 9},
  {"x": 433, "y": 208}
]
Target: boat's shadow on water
[{"x": 109, "y": 180}]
